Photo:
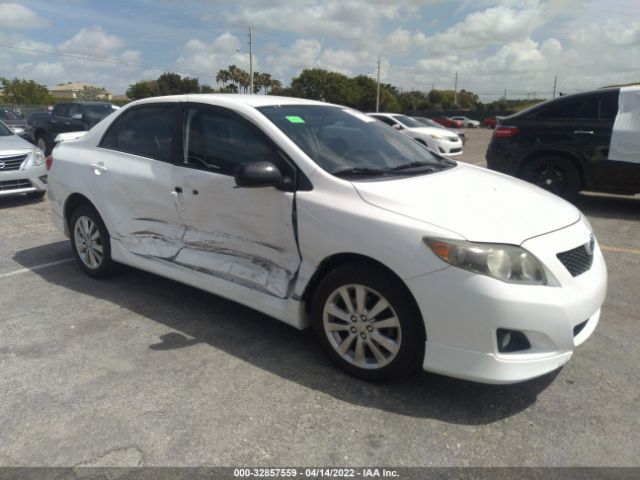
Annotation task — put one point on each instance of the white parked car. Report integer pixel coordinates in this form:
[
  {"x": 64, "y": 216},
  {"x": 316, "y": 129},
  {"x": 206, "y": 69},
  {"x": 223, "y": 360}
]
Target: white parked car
[
  {"x": 467, "y": 122},
  {"x": 439, "y": 140},
  {"x": 317, "y": 214},
  {"x": 22, "y": 166}
]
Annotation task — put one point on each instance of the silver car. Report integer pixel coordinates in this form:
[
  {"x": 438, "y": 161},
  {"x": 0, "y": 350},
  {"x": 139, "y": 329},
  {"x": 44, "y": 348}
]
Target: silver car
[{"x": 22, "y": 166}]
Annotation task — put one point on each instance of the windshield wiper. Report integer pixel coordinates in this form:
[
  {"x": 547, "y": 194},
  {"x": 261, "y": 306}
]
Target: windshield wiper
[
  {"x": 360, "y": 171},
  {"x": 412, "y": 165}
]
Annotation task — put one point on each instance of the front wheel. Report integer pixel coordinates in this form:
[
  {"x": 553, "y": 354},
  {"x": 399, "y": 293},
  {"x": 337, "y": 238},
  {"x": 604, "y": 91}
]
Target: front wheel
[
  {"x": 367, "y": 323},
  {"x": 555, "y": 174},
  {"x": 90, "y": 242}
]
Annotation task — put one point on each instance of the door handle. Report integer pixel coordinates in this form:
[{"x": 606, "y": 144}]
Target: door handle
[
  {"x": 98, "y": 168},
  {"x": 584, "y": 132}
]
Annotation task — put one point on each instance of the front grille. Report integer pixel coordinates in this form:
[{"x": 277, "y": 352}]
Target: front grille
[
  {"x": 455, "y": 150},
  {"x": 578, "y": 260},
  {"x": 14, "y": 184},
  {"x": 12, "y": 163}
]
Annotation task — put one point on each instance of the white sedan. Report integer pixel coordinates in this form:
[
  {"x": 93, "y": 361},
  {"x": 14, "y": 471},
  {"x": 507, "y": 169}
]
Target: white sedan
[
  {"x": 467, "y": 122},
  {"x": 318, "y": 215},
  {"x": 22, "y": 166},
  {"x": 439, "y": 140}
]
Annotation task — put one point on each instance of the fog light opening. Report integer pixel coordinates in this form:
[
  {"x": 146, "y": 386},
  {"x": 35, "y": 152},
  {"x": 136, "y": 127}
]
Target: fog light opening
[{"x": 512, "y": 341}]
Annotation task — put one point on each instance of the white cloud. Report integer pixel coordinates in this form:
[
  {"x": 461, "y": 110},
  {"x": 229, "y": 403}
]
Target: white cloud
[
  {"x": 92, "y": 41},
  {"x": 200, "y": 57},
  {"x": 18, "y": 17}
]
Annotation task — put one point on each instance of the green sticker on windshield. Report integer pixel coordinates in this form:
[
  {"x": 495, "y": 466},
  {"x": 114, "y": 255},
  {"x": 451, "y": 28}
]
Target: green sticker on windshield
[{"x": 295, "y": 119}]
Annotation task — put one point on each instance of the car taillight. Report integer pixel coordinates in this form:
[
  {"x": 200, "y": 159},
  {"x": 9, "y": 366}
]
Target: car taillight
[
  {"x": 505, "y": 132},
  {"x": 48, "y": 162}
]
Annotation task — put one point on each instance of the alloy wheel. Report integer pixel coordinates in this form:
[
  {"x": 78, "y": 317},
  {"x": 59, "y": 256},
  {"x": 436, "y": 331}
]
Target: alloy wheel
[
  {"x": 362, "y": 326},
  {"x": 88, "y": 242}
]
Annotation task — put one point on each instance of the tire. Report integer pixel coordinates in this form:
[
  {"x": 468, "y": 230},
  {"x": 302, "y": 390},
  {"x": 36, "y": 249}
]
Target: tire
[
  {"x": 36, "y": 195},
  {"x": 43, "y": 143},
  {"x": 376, "y": 354},
  {"x": 86, "y": 245},
  {"x": 555, "y": 174}
]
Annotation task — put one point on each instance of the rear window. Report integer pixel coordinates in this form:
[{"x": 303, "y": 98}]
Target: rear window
[{"x": 147, "y": 131}]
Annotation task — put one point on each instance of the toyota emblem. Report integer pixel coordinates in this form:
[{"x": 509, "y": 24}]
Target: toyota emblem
[{"x": 2, "y": 164}]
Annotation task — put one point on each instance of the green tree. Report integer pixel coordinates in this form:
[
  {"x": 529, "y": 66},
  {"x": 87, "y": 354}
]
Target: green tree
[
  {"x": 320, "y": 84},
  {"x": 170, "y": 83},
  {"x": 24, "y": 92},
  {"x": 143, "y": 89}
]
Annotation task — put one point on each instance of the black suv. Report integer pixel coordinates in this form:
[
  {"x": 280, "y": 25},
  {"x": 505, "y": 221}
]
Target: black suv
[
  {"x": 67, "y": 117},
  {"x": 562, "y": 145}
]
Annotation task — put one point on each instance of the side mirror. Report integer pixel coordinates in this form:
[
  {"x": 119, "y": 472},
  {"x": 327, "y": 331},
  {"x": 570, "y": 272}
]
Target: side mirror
[
  {"x": 258, "y": 174},
  {"x": 397, "y": 126},
  {"x": 76, "y": 116}
]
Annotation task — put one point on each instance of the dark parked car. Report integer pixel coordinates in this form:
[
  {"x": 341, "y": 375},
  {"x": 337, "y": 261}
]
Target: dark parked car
[
  {"x": 67, "y": 117},
  {"x": 448, "y": 122},
  {"x": 15, "y": 122},
  {"x": 431, "y": 123},
  {"x": 576, "y": 142}
]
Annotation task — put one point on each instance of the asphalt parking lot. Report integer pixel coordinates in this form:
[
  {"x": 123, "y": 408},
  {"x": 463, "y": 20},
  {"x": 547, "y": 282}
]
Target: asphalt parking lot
[{"x": 140, "y": 370}]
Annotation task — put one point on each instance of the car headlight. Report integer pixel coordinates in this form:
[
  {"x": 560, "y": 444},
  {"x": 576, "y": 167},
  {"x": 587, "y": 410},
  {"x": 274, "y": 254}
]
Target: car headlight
[
  {"x": 508, "y": 263},
  {"x": 436, "y": 137},
  {"x": 35, "y": 159}
]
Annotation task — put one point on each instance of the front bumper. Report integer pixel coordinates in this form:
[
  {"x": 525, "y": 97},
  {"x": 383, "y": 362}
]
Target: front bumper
[
  {"x": 449, "y": 148},
  {"x": 461, "y": 331},
  {"x": 32, "y": 179}
]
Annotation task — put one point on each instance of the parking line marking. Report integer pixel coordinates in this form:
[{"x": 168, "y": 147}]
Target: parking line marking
[
  {"x": 633, "y": 251},
  {"x": 36, "y": 267}
]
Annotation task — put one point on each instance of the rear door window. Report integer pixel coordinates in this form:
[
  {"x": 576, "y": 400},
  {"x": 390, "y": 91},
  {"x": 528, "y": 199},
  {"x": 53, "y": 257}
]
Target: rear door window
[
  {"x": 609, "y": 105},
  {"x": 147, "y": 131},
  {"x": 583, "y": 108},
  {"x": 61, "y": 110}
]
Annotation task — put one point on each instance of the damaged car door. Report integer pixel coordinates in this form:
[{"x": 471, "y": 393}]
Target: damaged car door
[
  {"x": 131, "y": 176},
  {"x": 244, "y": 235}
]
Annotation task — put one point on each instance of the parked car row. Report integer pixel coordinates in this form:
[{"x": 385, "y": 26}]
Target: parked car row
[{"x": 437, "y": 139}]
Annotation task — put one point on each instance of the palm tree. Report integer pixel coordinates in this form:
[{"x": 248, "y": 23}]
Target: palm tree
[{"x": 223, "y": 77}]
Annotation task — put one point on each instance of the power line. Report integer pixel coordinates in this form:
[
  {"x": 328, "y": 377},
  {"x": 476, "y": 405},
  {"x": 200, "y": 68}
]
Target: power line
[{"x": 104, "y": 59}]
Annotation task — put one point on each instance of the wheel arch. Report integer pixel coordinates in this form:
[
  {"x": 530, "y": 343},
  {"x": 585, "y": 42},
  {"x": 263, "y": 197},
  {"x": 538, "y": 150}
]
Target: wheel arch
[
  {"x": 334, "y": 261},
  {"x": 72, "y": 202}
]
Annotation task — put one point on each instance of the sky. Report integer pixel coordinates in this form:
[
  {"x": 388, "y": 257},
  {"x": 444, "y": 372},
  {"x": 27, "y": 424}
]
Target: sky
[{"x": 494, "y": 45}]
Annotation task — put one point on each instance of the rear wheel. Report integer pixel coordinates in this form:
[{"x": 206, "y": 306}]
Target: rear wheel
[
  {"x": 368, "y": 325},
  {"x": 90, "y": 242},
  {"x": 555, "y": 174}
]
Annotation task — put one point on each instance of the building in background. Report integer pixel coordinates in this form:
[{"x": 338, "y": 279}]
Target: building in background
[{"x": 74, "y": 90}]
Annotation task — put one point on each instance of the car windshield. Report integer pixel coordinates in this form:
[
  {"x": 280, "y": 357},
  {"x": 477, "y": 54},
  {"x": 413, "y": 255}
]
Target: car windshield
[
  {"x": 7, "y": 115},
  {"x": 344, "y": 141},
  {"x": 96, "y": 112},
  {"x": 429, "y": 122},
  {"x": 408, "y": 121},
  {"x": 4, "y": 130}
]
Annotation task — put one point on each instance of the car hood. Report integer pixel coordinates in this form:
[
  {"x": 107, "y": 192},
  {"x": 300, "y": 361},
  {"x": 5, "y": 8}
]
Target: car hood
[
  {"x": 478, "y": 204},
  {"x": 12, "y": 143},
  {"x": 433, "y": 131}
]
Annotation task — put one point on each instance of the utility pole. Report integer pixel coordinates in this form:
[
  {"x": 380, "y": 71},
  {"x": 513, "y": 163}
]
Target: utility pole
[
  {"x": 555, "y": 81},
  {"x": 378, "y": 88},
  {"x": 250, "y": 63},
  {"x": 505, "y": 93},
  {"x": 455, "y": 91}
]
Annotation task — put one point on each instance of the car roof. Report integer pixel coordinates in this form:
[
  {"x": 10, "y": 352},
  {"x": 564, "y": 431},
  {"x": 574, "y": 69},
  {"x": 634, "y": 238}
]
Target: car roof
[
  {"x": 563, "y": 98},
  {"x": 230, "y": 99}
]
